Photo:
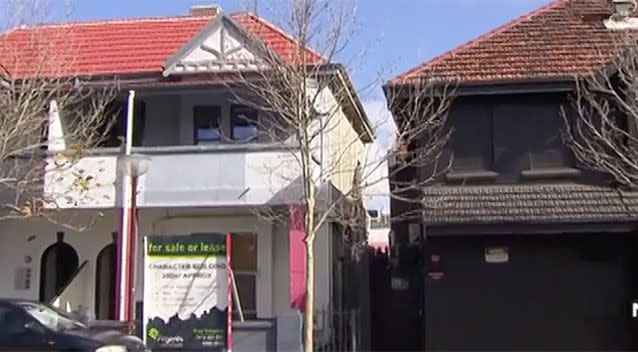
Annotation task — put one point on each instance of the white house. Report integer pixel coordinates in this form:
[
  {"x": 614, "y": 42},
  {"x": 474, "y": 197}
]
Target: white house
[{"x": 195, "y": 181}]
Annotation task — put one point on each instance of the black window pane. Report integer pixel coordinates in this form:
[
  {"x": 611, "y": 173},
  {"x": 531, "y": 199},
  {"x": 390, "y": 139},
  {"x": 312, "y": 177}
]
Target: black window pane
[
  {"x": 527, "y": 134},
  {"x": 113, "y": 127},
  {"x": 246, "y": 289},
  {"x": 207, "y": 124},
  {"x": 472, "y": 137},
  {"x": 139, "y": 123},
  {"x": 244, "y": 252},
  {"x": 244, "y": 123},
  {"x": 544, "y": 141}
]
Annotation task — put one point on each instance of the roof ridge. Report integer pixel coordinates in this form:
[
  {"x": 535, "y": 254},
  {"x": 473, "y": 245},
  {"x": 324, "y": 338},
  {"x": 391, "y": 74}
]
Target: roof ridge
[
  {"x": 485, "y": 36},
  {"x": 175, "y": 18}
]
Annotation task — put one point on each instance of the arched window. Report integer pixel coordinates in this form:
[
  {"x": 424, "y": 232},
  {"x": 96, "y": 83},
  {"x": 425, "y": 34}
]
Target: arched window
[
  {"x": 106, "y": 268},
  {"x": 57, "y": 266}
]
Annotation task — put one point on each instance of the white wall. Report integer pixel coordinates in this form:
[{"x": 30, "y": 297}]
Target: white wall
[
  {"x": 343, "y": 147},
  {"x": 22, "y": 239},
  {"x": 97, "y": 173},
  {"x": 281, "y": 270},
  {"x": 379, "y": 236}
]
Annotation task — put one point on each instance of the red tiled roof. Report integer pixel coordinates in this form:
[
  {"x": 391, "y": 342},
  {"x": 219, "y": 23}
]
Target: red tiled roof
[
  {"x": 118, "y": 47},
  {"x": 562, "y": 39},
  {"x": 278, "y": 41}
]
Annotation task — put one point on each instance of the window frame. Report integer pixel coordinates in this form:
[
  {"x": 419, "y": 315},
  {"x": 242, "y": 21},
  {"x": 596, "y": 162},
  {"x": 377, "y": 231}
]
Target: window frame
[
  {"x": 218, "y": 111},
  {"x": 233, "y": 110},
  {"x": 246, "y": 273}
]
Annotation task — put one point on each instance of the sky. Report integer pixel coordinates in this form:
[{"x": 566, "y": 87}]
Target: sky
[{"x": 389, "y": 37}]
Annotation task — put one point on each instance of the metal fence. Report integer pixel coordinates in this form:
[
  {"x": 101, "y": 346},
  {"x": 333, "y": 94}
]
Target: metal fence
[{"x": 337, "y": 331}]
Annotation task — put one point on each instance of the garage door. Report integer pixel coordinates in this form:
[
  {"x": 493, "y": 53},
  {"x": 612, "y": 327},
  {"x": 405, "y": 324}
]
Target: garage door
[{"x": 547, "y": 292}]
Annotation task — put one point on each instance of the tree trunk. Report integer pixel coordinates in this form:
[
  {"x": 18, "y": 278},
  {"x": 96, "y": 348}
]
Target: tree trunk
[
  {"x": 309, "y": 322},
  {"x": 310, "y": 292}
]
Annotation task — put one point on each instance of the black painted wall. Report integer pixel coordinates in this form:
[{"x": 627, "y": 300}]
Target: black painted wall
[
  {"x": 569, "y": 292},
  {"x": 554, "y": 291}
]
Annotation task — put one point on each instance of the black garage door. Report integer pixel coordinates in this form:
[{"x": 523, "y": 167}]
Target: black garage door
[{"x": 566, "y": 292}]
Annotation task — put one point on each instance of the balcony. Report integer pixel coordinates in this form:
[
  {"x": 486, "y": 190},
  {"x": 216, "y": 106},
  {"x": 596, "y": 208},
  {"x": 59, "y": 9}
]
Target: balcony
[{"x": 181, "y": 176}]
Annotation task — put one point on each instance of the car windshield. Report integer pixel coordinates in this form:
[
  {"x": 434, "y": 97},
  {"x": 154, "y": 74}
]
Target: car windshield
[{"x": 51, "y": 318}]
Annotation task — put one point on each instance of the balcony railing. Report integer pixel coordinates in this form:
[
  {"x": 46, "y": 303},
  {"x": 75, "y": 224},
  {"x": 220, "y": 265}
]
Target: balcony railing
[{"x": 180, "y": 176}]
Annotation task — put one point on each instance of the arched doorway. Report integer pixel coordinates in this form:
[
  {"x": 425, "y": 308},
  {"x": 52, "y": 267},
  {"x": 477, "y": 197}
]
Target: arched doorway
[
  {"x": 57, "y": 266},
  {"x": 105, "y": 272}
]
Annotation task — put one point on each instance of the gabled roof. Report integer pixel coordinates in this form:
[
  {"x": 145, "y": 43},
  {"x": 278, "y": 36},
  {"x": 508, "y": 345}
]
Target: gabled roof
[
  {"x": 117, "y": 47},
  {"x": 140, "y": 49},
  {"x": 560, "y": 40}
]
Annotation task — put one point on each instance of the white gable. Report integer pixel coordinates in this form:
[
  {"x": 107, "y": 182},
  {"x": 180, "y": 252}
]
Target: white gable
[{"x": 219, "y": 47}]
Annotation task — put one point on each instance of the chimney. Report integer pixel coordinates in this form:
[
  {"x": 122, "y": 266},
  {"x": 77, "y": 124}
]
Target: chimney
[
  {"x": 205, "y": 10},
  {"x": 622, "y": 9},
  {"x": 621, "y": 17}
]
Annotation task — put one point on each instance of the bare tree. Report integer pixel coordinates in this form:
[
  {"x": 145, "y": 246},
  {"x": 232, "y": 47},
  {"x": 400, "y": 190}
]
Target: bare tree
[
  {"x": 41, "y": 91},
  {"x": 600, "y": 123},
  {"x": 304, "y": 99},
  {"x": 419, "y": 157}
]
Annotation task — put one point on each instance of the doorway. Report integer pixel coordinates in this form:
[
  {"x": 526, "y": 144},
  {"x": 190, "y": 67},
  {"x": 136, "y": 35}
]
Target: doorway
[
  {"x": 105, "y": 272},
  {"x": 58, "y": 264}
]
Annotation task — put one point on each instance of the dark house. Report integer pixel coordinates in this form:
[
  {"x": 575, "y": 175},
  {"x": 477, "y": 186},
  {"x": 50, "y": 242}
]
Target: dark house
[{"x": 520, "y": 247}]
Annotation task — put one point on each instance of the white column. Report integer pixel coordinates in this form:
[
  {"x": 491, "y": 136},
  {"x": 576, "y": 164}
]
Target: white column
[{"x": 55, "y": 136}]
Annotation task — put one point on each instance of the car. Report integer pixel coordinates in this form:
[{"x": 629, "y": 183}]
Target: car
[{"x": 34, "y": 326}]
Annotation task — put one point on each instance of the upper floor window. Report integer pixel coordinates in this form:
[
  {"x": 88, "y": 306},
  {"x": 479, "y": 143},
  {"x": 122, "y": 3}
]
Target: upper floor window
[
  {"x": 509, "y": 137},
  {"x": 243, "y": 121},
  {"x": 527, "y": 135},
  {"x": 472, "y": 138},
  {"x": 544, "y": 145},
  {"x": 207, "y": 124}
]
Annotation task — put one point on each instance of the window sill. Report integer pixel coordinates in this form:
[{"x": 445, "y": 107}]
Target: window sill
[
  {"x": 559, "y": 172},
  {"x": 479, "y": 175},
  {"x": 253, "y": 324}
]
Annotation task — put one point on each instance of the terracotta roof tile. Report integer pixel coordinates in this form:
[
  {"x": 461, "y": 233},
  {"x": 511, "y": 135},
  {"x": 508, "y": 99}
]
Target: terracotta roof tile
[
  {"x": 119, "y": 47},
  {"x": 564, "y": 38}
]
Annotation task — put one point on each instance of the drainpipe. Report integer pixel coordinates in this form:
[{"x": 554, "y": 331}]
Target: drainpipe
[{"x": 126, "y": 246}]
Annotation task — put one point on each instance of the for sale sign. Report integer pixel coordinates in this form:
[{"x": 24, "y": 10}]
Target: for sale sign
[{"x": 186, "y": 292}]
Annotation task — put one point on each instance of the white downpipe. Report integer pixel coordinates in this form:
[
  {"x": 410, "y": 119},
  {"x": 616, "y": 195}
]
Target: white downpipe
[
  {"x": 127, "y": 192},
  {"x": 128, "y": 147}
]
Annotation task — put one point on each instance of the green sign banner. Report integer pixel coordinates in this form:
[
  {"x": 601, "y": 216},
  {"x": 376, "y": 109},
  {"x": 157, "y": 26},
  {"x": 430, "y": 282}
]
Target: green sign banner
[{"x": 186, "y": 282}]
